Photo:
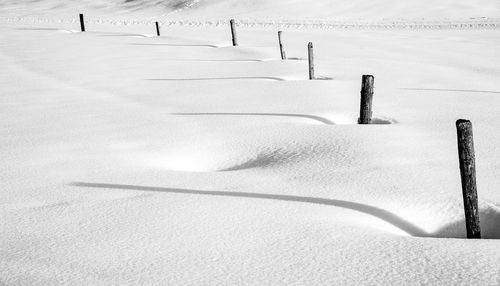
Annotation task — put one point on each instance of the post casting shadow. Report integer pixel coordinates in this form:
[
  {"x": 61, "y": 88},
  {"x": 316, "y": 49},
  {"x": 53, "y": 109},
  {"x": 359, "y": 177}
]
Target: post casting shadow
[
  {"x": 43, "y": 29},
  {"x": 455, "y": 90},
  {"x": 217, "y": 78},
  {"x": 176, "y": 45},
  {"x": 200, "y": 60},
  {"x": 313, "y": 117},
  {"x": 383, "y": 121},
  {"x": 37, "y": 29},
  {"x": 387, "y": 216},
  {"x": 323, "y": 78},
  {"x": 125, "y": 35}
]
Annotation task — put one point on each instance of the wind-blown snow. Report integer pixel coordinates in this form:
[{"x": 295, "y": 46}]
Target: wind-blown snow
[{"x": 134, "y": 159}]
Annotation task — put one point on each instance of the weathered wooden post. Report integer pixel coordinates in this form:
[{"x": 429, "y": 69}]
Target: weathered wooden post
[
  {"x": 233, "y": 32},
  {"x": 311, "y": 60},
  {"x": 365, "y": 110},
  {"x": 157, "y": 29},
  {"x": 82, "y": 23},
  {"x": 282, "y": 50},
  {"x": 468, "y": 175}
]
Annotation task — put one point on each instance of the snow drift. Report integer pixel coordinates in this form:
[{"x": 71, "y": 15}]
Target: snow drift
[{"x": 134, "y": 159}]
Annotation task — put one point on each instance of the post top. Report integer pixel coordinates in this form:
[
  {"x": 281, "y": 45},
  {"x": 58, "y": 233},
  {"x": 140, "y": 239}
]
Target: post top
[{"x": 463, "y": 122}]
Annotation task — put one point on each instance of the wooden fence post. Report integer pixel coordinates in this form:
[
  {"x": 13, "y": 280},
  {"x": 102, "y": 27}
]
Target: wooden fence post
[
  {"x": 282, "y": 50},
  {"x": 157, "y": 29},
  {"x": 233, "y": 32},
  {"x": 365, "y": 110},
  {"x": 311, "y": 60},
  {"x": 468, "y": 176},
  {"x": 82, "y": 23}
]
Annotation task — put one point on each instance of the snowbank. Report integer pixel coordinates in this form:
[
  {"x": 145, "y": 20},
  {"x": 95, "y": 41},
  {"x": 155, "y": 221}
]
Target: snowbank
[{"x": 134, "y": 159}]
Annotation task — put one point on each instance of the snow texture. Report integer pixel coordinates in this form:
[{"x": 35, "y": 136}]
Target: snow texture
[{"x": 131, "y": 159}]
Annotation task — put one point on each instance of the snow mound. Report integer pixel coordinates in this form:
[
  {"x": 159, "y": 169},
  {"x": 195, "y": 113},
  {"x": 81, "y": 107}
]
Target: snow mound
[
  {"x": 489, "y": 216},
  {"x": 125, "y": 154}
]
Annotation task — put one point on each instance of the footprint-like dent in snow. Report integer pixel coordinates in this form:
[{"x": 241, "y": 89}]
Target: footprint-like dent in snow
[
  {"x": 221, "y": 160},
  {"x": 262, "y": 160}
]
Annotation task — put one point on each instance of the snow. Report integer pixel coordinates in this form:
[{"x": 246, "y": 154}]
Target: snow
[{"x": 134, "y": 159}]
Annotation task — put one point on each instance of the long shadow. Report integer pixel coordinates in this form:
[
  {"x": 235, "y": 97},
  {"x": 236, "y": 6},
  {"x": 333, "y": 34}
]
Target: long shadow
[
  {"x": 203, "y": 60},
  {"x": 217, "y": 78},
  {"x": 37, "y": 29},
  {"x": 313, "y": 117},
  {"x": 387, "y": 216},
  {"x": 455, "y": 90},
  {"x": 43, "y": 29},
  {"x": 124, "y": 35},
  {"x": 176, "y": 45}
]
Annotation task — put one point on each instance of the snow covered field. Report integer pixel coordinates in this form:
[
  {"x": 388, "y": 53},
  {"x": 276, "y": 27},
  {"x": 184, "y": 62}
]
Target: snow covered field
[{"x": 131, "y": 159}]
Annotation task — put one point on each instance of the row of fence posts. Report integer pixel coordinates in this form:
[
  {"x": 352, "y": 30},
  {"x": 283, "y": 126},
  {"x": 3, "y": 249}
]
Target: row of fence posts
[{"x": 464, "y": 135}]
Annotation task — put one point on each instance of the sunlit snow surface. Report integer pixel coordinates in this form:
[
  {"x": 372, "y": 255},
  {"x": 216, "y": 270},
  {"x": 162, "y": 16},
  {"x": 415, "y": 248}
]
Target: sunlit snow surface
[{"x": 180, "y": 160}]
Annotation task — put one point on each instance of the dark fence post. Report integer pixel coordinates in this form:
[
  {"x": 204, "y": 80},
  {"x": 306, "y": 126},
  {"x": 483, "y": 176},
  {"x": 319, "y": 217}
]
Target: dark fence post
[
  {"x": 282, "y": 50},
  {"x": 233, "y": 32},
  {"x": 311, "y": 60},
  {"x": 82, "y": 23},
  {"x": 365, "y": 110},
  {"x": 468, "y": 175},
  {"x": 157, "y": 29}
]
